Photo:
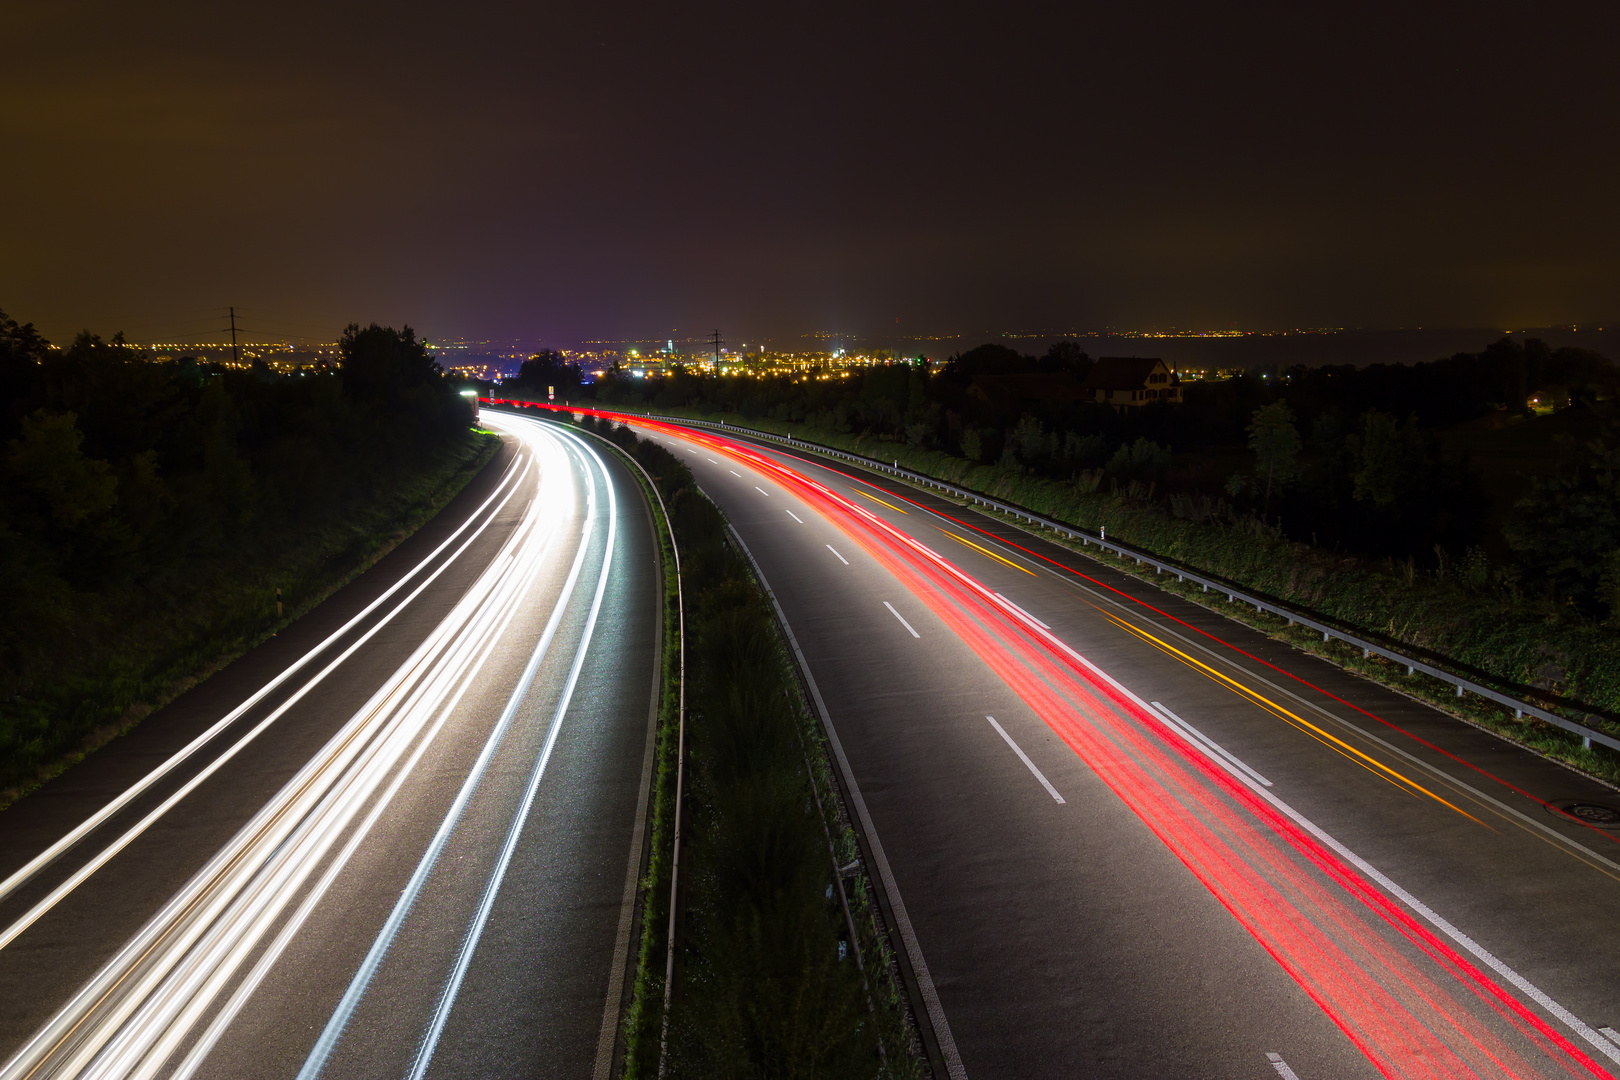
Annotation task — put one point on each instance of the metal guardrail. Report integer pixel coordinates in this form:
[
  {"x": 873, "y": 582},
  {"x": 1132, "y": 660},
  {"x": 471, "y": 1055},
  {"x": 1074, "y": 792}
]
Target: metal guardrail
[{"x": 1368, "y": 649}]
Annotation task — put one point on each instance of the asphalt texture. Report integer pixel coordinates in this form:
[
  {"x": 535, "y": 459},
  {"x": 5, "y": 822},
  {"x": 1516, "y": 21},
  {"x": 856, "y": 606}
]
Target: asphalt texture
[
  {"x": 536, "y": 959},
  {"x": 1066, "y": 938}
]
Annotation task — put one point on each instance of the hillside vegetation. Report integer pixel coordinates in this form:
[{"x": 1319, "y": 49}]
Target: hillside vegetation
[{"x": 151, "y": 511}]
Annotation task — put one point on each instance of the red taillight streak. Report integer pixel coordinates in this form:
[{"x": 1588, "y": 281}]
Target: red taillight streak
[
  {"x": 1361, "y": 1006},
  {"x": 1345, "y": 990},
  {"x": 736, "y": 447}
]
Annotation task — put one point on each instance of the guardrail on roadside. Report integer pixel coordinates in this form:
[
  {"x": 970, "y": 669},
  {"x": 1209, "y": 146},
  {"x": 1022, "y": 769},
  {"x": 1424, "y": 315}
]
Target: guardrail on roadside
[{"x": 1368, "y": 649}]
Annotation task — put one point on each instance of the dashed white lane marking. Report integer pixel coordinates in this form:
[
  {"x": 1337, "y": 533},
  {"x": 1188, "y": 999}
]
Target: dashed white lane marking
[
  {"x": 902, "y": 619},
  {"x": 1045, "y": 783},
  {"x": 1611, "y": 1034},
  {"x": 711, "y": 461},
  {"x": 735, "y": 473},
  {"x": 1282, "y": 1067},
  {"x": 846, "y": 563},
  {"x": 795, "y": 517},
  {"x": 762, "y": 491}
]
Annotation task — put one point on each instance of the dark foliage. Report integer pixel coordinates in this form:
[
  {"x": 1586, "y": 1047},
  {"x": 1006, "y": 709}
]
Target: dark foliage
[
  {"x": 1347, "y": 457},
  {"x": 548, "y": 370},
  {"x": 132, "y": 484},
  {"x": 1567, "y": 534}
]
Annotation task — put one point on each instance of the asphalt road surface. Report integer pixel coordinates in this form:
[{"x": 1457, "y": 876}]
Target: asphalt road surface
[
  {"x": 399, "y": 839},
  {"x": 1125, "y": 837}
]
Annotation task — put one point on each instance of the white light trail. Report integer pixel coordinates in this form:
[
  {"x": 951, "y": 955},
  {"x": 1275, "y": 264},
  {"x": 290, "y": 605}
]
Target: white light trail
[{"x": 237, "y": 912}]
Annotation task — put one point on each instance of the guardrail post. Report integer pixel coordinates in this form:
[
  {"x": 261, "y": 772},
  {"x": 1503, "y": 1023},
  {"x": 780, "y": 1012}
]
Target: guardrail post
[
  {"x": 1410, "y": 670},
  {"x": 1324, "y": 635},
  {"x": 1459, "y": 691}
]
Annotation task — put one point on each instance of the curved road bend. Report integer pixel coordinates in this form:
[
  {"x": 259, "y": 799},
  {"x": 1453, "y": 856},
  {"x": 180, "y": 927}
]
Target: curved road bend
[
  {"x": 1179, "y": 849},
  {"x": 395, "y": 839}
]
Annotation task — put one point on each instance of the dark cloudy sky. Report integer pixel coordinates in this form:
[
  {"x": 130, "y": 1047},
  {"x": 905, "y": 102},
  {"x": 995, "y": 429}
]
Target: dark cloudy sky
[{"x": 605, "y": 169}]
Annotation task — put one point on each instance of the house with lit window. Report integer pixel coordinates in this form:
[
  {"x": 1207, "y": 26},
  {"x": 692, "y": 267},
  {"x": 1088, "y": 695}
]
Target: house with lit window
[{"x": 1129, "y": 381}]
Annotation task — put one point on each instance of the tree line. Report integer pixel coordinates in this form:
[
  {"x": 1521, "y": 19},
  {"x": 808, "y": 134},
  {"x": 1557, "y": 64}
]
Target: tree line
[
  {"x": 141, "y": 491},
  {"x": 1347, "y": 458}
]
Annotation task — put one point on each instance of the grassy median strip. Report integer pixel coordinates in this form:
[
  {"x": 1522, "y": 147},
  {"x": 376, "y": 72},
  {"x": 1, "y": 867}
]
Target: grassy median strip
[{"x": 766, "y": 977}]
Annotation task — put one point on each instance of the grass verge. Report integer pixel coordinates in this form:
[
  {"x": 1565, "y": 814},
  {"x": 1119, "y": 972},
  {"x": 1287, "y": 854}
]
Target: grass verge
[{"x": 767, "y": 982}]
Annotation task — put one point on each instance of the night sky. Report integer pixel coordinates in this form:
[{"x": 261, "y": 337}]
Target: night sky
[{"x": 606, "y": 170}]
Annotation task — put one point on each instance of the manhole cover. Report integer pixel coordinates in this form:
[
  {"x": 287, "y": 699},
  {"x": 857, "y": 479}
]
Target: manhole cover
[{"x": 1590, "y": 813}]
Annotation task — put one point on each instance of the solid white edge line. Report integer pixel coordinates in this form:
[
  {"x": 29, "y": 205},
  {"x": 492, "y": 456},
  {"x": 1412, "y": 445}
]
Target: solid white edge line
[
  {"x": 469, "y": 945},
  {"x": 1614, "y": 1036},
  {"x": 1282, "y": 1067},
  {"x": 891, "y": 888},
  {"x": 902, "y": 619},
  {"x": 841, "y": 558},
  {"x": 1045, "y": 783},
  {"x": 1210, "y": 744},
  {"x": 1022, "y": 612}
]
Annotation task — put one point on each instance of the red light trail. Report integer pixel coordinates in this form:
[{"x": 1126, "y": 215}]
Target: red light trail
[{"x": 1408, "y": 1000}]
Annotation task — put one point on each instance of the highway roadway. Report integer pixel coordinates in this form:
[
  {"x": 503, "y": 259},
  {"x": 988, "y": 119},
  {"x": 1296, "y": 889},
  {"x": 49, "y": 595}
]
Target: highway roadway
[
  {"x": 1121, "y": 836},
  {"x": 399, "y": 839}
]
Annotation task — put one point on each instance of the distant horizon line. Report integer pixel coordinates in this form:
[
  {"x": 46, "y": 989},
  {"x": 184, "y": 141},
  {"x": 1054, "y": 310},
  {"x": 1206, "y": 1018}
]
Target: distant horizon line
[{"x": 834, "y": 338}]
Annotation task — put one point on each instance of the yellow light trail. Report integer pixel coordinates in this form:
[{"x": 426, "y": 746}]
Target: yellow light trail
[
  {"x": 880, "y": 502},
  {"x": 1371, "y": 764},
  {"x": 987, "y": 551}
]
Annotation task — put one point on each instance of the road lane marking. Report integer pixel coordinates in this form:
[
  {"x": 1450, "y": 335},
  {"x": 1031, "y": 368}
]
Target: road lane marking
[
  {"x": 1371, "y": 764},
  {"x": 1022, "y": 612},
  {"x": 1613, "y": 1035},
  {"x": 1210, "y": 743},
  {"x": 1282, "y": 1067},
  {"x": 795, "y": 517},
  {"x": 844, "y": 561},
  {"x": 735, "y": 473},
  {"x": 762, "y": 491},
  {"x": 880, "y": 502},
  {"x": 987, "y": 551},
  {"x": 1378, "y": 877},
  {"x": 711, "y": 461},
  {"x": 899, "y": 616},
  {"x": 1045, "y": 783}
]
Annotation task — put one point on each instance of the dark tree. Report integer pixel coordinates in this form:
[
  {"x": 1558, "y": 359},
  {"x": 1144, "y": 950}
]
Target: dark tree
[
  {"x": 549, "y": 368},
  {"x": 381, "y": 363}
]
